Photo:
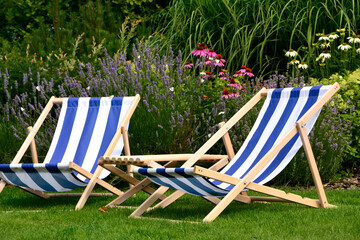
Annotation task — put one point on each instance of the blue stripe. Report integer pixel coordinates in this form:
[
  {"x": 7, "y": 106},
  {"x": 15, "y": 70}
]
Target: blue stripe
[
  {"x": 196, "y": 182},
  {"x": 11, "y": 176},
  {"x": 65, "y": 131},
  {"x": 274, "y": 101},
  {"x": 60, "y": 178},
  {"x": 111, "y": 128},
  {"x": 36, "y": 177},
  {"x": 313, "y": 96},
  {"x": 94, "y": 105},
  {"x": 162, "y": 172}
]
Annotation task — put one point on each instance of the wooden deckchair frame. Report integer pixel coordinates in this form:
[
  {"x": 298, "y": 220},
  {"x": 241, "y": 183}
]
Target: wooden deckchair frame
[
  {"x": 94, "y": 178},
  {"x": 241, "y": 184}
]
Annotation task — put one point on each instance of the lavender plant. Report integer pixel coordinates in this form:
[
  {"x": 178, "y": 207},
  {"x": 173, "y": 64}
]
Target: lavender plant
[{"x": 179, "y": 108}]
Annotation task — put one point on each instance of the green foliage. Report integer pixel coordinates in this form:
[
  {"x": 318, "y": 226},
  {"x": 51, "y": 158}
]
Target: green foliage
[{"x": 254, "y": 32}]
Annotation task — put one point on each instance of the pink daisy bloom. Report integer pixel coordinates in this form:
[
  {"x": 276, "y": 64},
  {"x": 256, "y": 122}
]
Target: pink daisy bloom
[
  {"x": 226, "y": 94},
  {"x": 207, "y": 75},
  {"x": 208, "y": 62},
  {"x": 238, "y": 73},
  {"x": 234, "y": 94},
  {"x": 219, "y": 61},
  {"x": 201, "y": 50},
  {"x": 222, "y": 72},
  {"x": 188, "y": 65},
  {"x": 234, "y": 84},
  {"x": 248, "y": 72},
  {"x": 211, "y": 53}
]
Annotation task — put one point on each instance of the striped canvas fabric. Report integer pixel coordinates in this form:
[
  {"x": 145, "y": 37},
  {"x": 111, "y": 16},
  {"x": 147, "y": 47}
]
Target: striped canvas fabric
[
  {"x": 85, "y": 129},
  {"x": 280, "y": 112}
]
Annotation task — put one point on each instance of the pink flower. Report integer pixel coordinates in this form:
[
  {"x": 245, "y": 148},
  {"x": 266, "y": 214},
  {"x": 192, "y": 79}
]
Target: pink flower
[
  {"x": 226, "y": 93},
  {"x": 248, "y": 72},
  {"x": 222, "y": 72},
  {"x": 208, "y": 62},
  {"x": 234, "y": 84},
  {"x": 238, "y": 73},
  {"x": 207, "y": 75},
  {"x": 211, "y": 53},
  {"x": 188, "y": 65},
  {"x": 219, "y": 61},
  {"x": 201, "y": 50}
]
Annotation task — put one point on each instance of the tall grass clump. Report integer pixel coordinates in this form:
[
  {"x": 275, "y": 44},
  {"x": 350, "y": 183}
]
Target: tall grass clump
[
  {"x": 180, "y": 105},
  {"x": 255, "y": 32}
]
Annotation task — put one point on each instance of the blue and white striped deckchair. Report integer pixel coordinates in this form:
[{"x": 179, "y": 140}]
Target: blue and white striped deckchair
[
  {"x": 282, "y": 126},
  {"x": 87, "y": 128}
]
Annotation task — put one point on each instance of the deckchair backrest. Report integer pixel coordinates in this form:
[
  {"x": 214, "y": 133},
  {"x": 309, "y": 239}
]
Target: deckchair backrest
[
  {"x": 280, "y": 112},
  {"x": 85, "y": 129}
]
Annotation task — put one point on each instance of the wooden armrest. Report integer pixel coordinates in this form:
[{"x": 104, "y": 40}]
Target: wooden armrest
[
  {"x": 216, "y": 175},
  {"x": 145, "y": 159}
]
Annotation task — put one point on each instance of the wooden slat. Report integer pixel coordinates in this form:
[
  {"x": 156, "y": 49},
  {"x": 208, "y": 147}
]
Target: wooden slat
[
  {"x": 33, "y": 151},
  {"x": 283, "y": 195},
  {"x": 144, "y": 159},
  {"x": 88, "y": 175},
  {"x": 227, "y": 142}
]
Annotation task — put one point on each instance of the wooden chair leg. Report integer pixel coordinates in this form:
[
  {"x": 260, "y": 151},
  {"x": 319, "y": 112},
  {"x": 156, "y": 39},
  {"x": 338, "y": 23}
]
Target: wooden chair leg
[
  {"x": 312, "y": 164},
  {"x": 145, "y": 205},
  {"x": 84, "y": 197},
  {"x": 170, "y": 199},
  {"x": 2, "y": 185},
  {"x": 131, "y": 192}
]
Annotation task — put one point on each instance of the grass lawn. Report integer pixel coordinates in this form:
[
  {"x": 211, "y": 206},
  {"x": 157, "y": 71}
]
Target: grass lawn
[{"x": 24, "y": 216}]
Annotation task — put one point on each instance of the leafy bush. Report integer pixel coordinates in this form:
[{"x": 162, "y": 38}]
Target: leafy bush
[{"x": 176, "y": 108}]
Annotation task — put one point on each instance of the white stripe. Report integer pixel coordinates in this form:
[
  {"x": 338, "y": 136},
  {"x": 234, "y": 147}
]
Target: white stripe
[
  {"x": 76, "y": 132},
  {"x": 57, "y": 131},
  {"x": 97, "y": 136},
  {"x": 297, "y": 144}
]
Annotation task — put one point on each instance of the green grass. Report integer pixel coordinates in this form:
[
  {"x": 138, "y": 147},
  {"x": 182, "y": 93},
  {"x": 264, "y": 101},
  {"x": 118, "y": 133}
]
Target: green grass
[{"x": 56, "y": 219}]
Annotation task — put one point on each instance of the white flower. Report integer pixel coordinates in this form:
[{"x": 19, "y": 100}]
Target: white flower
[
  {"x": 202, "y": 73},
  {"x": 325, "y": 45},
  {"x": 294, "y": 62},
  {"x": 22, "y": 109},
  {"x": 333, "y": 36},
  {"x": 209, "y": 135},
  {"x": 323, "y": 56},
  {"x": 171, "y": 89},
  {"x": 324, "y": 38},
  {"x": 358, "y": 50},
  {"x": 38, "y": 88},
  {"x": 291, "y": 53},
  {"x": 202, "y": 80},
  {"x": 344, "y": 47},
  {"x": 303, "y": 65},
  {"x": 354, "y": 40},
  {"x": 221, "y": 113},
  {"x": 88, "y": 88}
]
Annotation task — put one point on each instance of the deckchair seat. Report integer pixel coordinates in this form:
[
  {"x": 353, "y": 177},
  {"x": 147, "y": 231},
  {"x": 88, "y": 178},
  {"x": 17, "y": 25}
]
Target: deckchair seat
[{"x": 182, "y": 179}]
